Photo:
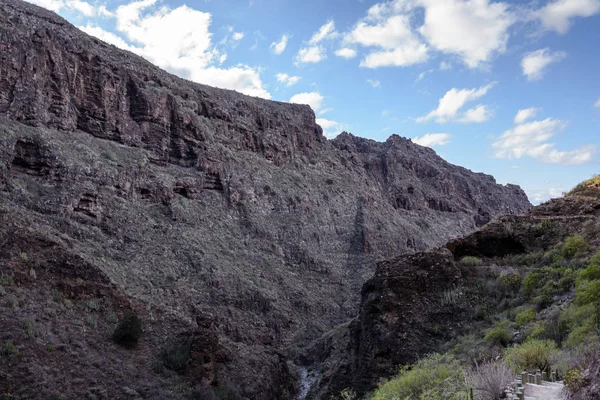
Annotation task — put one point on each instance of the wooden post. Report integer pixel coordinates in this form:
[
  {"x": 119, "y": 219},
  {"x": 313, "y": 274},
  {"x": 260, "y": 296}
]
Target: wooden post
[{"x": 524, "y": 377}]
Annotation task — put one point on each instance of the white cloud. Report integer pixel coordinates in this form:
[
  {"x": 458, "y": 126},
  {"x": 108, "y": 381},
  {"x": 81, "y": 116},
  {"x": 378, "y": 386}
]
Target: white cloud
[
  {"x": 346, "y": 52},
  {"x": 597, "y": 104},
  {"x": 422, "y": 75},
  {"x": 557, "y": 15},
  {"x": 395, "y": 43},
  {"x": 237, "y": 36},
  {"x": 325, "y": 32},
  {"x": 454, "y": 99},
  {"x": 432, "y": 139},
  {"x": 445, "y": 65},
  {"x": 313, "y": 99},
  {"x": 534, "y": 63},
  {"x": 287, "y": 80},
  {"x": 313, "y": 54},
  {"x": 538, "y": 196},
  {"x": 532, "y": 139},
  {"x": 179, "y": 41},
  {"x": 331, "y": 128},
  {"x": 525, "y": 114},
  {"x": 279, "y": 47},
  {"x": 478, "y": 114},
  {"x": 374, "y": 83},
  {"x": 80, "y": 6},
  {"x": 83, "y": 7},
  {"x": 473, "y": 29}
]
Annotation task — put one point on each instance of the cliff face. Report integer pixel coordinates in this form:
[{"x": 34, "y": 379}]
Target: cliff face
[
  {"x": 417, "y": 304},
  {"x": 188, "y": 201}
]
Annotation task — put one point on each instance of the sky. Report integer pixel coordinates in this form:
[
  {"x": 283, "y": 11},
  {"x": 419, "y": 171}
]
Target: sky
[{"x": 508, "y": 88}]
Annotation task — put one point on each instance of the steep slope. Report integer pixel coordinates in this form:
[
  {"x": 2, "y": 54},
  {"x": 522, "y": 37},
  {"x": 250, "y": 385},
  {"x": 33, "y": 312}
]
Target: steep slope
[
  {"x": 429, "y": 302},
  {"x": 191, "y": 201}
]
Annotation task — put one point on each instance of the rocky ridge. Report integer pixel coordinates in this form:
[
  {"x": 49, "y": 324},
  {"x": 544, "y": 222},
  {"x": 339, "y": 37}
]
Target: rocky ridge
[{"x": 132, "y": 189}]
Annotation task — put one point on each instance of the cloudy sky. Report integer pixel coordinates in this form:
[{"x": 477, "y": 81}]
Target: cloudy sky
[{"x": 506, "y": 88}]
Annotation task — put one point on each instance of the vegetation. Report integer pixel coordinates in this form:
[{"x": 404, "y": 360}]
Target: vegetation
[
  {"x": 470, "y": 260},
  {"x": 176, "y": 356},
  {"x": 434, "y": 377},
  {"x": 7, "y": 348},
  {"x": 533, "y": 354},
  {"x": 128, "y": 331}
]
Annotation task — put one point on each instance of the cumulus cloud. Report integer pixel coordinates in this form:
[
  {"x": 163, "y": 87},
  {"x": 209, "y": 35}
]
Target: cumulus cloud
[
  {"x": 478, "y": 114},
  {"x": 452, "y": 102},
  {"x": 237, "y": 36},
  {"x": 374, "y": 83},
  {"x": 525, "y": 114},
  {"x": 331, "y": 128},
  {"x": 473, "y": 30},
  {"x": 287, "y": 80},
  {"x": 279, "y": 47},
  {"x": 313, "y": 54},
  {"x": 394, "y": 42},
  {"x": 557, "y": 15},
  {"x": 313, "y": 99},
  {"x": 178, "y": 40},
  {"x": 346, "y": 52},
  {"x": 532, "y": 139},
  {"x": 432, "y": 139},
  {"x": 533, "y": 64}
]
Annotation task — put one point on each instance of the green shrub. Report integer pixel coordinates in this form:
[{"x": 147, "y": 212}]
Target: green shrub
[
  {"x": 525, "y": 317},
  {"x": 470, "y": 260},
  {"x": 128, "y": 331},
  {"x": 531, "y": 283},
  {"x": 499, "y": 335},
  {"x": 588, "y": 292},
  {"x": 6, "y": 280},
  {"x": 574, "y": 245},
  {"x": 511, "y": 281},
  {"x": 532, "y": 354},
  {"x": 574, "y": 380},
  {"x": 30, "y": 329},
  {"x": 590, "y": 273},
  {"x": 542, "y": 301},
  {"x": 7, "y": 348},
  {"x": 434, "y": 377},
  {"x": 176, "y": 356}
]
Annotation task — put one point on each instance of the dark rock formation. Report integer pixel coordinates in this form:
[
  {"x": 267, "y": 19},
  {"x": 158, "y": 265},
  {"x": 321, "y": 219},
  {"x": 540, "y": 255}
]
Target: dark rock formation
[
  {"x": 591, "y": 386},
  {"x": 182, "y": 197},
  {"x": 415, "y": 304}
]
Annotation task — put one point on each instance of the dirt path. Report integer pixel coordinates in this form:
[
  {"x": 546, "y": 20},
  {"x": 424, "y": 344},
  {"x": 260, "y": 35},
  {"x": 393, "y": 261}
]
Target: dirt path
[{"x": 546, "y": 391}]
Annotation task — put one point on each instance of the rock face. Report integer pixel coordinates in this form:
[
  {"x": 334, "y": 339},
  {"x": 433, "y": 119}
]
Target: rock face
[
  {"x": 184, "y": 200},
  {"x": 415, "y": 304}
]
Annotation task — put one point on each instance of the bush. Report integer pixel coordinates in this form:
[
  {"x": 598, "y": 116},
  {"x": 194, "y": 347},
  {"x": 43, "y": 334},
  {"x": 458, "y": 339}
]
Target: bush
[
  {"x": 434, "y": 377},
  {"x": 525, "y": 317},
  {"x": 490, "y": 379},
  {"x": 574, "y": 245},
  {"x": 511, "y": 281},
  {"x": 499, "y": 335},
  {"x": 176, "y": 356},
  {"x": 7, "y": 348},
  {"x": 574, "y": 380},
  {"x": 532, "y": 354},
  {"x": 470, "y": 260},
  {"x": 128, "y": 331},
  {"x": 531, "y": 283}
]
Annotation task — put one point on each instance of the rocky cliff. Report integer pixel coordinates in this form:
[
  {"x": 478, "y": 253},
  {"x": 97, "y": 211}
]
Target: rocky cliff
[
  {"x": 123, "y": 187},
  {"x": 422, "y": 303}
]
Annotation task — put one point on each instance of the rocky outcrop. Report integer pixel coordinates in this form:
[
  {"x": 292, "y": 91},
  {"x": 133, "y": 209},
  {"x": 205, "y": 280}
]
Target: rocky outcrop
[
  {"x": 591, "y": 384},
  {"x": 416, "y": 304},
  {"x": 186, "y": 197}
]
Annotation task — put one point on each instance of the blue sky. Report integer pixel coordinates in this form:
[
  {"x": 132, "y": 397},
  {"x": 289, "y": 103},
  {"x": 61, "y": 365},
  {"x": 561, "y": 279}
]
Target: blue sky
[{"x": 506, "y": 88}]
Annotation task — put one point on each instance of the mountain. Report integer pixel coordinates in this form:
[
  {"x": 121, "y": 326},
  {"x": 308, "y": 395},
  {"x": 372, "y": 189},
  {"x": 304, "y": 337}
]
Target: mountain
[
  {"x": 227, "y": 224},
  {"x": 533, "y": 276}
]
